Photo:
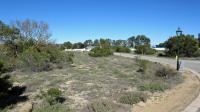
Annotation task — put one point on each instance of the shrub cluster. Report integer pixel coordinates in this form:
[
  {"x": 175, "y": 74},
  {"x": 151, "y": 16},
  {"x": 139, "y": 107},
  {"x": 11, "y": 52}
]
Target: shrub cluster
[
  {"x": 122, "y": 49},
  {"x": 144, "y": 49},
  {"x": 142, "y": 64},
  {"x": 153, "y": 87},
  {"x": 165, "y": 72},
  {"x": 53, "y": 96},
  {"x": 5, "y": 84},
  {"x": 43, "y": 58},
  {"x": 52, "y": 108},
  {"x": 133, "y": 98},
  {"x": 100, "y": 52}
]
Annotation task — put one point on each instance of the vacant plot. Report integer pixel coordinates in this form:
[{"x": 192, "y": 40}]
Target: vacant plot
[{"x": 107, "y": 84}]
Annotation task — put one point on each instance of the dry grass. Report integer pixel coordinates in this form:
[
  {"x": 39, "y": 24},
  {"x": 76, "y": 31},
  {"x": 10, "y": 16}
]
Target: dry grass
[{"x": 92, "y": 78}]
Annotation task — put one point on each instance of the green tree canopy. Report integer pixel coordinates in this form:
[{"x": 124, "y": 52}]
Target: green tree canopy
[
  {"x": 142, "y": 40},
  {"x": 131, "y": 41},
  {"x": 67, "y": 45},
  {"x": 184, "y": 45}
]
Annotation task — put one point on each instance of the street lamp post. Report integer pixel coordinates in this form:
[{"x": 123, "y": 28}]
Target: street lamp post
[{"x": 179, "y": 32}]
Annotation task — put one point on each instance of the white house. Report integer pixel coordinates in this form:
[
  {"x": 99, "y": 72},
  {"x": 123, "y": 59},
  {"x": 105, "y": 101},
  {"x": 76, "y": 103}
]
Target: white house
[{"x": 160, "y": 49}]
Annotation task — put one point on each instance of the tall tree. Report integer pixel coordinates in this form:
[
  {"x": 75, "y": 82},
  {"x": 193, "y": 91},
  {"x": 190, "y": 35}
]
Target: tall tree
[
  {"x": 131, "y": 41},
  {"x": 142, "y": 40},
  {"x": 96, "y": 42},
  {"x": 121, "y": 43},
  {"x": 142, "y": 45},
  {"x": 67, "y": 45},
  {"x": 31, "y": 29},
  {"x": 104, "y": 43},
  {"x": 88, "y": 43}
]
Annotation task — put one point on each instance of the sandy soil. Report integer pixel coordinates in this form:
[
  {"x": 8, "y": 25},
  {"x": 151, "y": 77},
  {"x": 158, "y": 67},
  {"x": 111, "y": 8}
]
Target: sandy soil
[{"x": 174, "y": 100}]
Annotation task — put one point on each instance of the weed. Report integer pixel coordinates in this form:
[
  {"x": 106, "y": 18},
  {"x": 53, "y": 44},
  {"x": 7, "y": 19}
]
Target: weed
[{"x": 133, "y": 98}]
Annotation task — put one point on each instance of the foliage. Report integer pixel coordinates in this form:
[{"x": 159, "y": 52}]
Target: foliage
[
  {"x": 122, "y": 49},
  {"x": 197, "y": 53},
  {"x": 67, "y": 45},
  {"x": 165, "y": 72},
  {"x": 133, "y": 98},
  {"x": 153, "y": 87},
  {"x": 53, "y": 96},
  {"x": 101, "y": 106},
  {"x": 142, "y": 45},
  {"x": 143, "y": 64},
  {"x": 131, "y": 41},
  {"x": 5, "y": 84},
  {"x": 100, "y": 52},
  {"x": 105, "y": 43},
  {"x": 142, "y": 40},
  {"x": 144, "y": 49},
  {"x": 88, "y": 43},
  {"x": 35, "y": 60},
  {"x": 52, "y": 108},
  {"x": 27, "y": 45},
  {"x": 184, "y": 45},
  {"x": 78, "y": 45}
]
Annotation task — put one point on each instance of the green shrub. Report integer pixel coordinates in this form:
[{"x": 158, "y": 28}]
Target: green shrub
[
  {"x": 143, "y": 64},
  {"x": 34, "y": 60},
  {"x": 133, "y": 98},
  {"x": 54, "y": 92},
  {"x": 153, "y": 87},
  {"x": 122, "y": 49},
  {"x": 100, "y": 52},
  {"x": 5, "y": 84},
  {"x": 44, "y": 58},
  {"x": 144, "y": 49},
  {"x": 104, "y": 106},
  {"x": 53, "y": 96},
  {"x": 165, "y": 72},
  {"x": 197, "y": 53}
]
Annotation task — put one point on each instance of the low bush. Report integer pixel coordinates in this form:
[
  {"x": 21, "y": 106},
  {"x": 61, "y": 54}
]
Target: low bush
[
  {"x": 133, "y": 98},
  {"x": 144, "y": 49},
  {"x": 52, "y": 108},
  {"x": 102, "y": 106},
  {"x": 142, "y": 64},
  {"x": 43, "y": 58},
  {"x": 34, "y": 60},
  {"x": 100, "y": 52},
  {"x": 153, "y": 87},
  {"x": 197, "y": 53},
  {"x": 122, "y": 49},
  {"x": 165, "y": 72},
  {"x": 53, "y": 96},
  {"x": 5, "y": 84}
]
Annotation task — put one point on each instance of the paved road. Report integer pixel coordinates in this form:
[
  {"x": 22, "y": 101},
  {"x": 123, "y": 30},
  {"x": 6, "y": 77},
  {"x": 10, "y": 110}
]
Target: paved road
[{"x": 192, "y": 65}]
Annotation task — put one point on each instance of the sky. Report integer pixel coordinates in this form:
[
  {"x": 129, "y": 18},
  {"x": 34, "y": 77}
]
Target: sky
[{"x": 78, "y": 20}]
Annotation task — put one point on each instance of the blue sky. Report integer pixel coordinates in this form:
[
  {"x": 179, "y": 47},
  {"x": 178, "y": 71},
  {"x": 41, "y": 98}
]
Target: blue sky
[{"x": 78, "y": 20}]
